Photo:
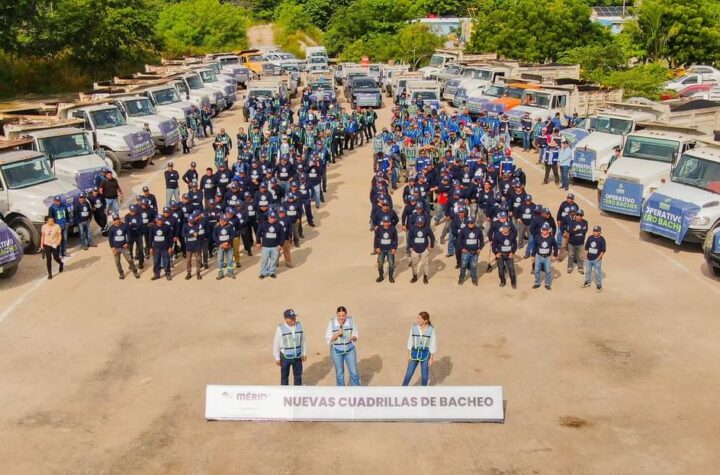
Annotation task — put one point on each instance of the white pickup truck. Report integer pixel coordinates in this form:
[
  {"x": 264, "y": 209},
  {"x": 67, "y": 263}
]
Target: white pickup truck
[
  {"x": 647, "y": 160},
  {"x": 473, "y": 78},
  {"x": 428, "y": 91},
  {"x": 688, "y": 207},
  {"x": 613, "y": 123},
  {"x": 139, "y": 110}
]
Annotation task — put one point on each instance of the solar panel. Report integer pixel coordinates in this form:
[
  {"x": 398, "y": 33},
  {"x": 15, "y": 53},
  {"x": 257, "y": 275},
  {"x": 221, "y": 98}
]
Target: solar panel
[{"x": 608, "y": 11}]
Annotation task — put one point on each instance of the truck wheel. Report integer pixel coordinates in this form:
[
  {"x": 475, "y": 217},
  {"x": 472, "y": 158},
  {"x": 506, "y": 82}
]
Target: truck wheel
[
  {"x": 116, "y": 164},
  {"x": 7, "y": 273},
  {"x": 139, "y": 164},
  {"x": 29, "y": 236},
  {"x": 169, "y": 150}
]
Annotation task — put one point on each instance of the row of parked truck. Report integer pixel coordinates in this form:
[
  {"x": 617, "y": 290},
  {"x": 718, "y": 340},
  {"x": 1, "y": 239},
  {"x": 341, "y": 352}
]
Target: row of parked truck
[{"x": 53, "y": 148}]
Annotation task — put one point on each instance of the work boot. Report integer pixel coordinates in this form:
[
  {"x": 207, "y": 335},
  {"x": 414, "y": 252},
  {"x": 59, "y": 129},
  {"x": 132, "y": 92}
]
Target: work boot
[
  {"x": 536, "y": 286},
  {"x": 155, "y": 277},
  {"x": 249, "y": 252},
  {"x": 199, "y": 277},
  {"x": 220, "y": 276},
  {"x": 121, "y": 276},
  {"x": 205, "y": 266},
  {"x": 141, "y": 265},
  {"x": 414, "y": 279},
  {"x": 136, "y": 274},
  {"x": 460, "y": 281},
  {"x": 188, "y": 276},
  {"x": 381, "y": 277},
  {"x": 426, "y": 280},
  {"x": 62, "y": 267},
  {"x": 475, "y": 282},
  {"x": 168, "y": 276},
  {"x": 391, "y": 279},
  {"x": 513, "y": 284},
  {"x": 502, "y": 283},
  {"x": 489, "y": 268}
]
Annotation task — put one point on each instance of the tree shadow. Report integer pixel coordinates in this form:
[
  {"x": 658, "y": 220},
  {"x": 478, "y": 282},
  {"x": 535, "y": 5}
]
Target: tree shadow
[
  {"x": 368, "y": 368},
  {"x": 314, "y": 373}
]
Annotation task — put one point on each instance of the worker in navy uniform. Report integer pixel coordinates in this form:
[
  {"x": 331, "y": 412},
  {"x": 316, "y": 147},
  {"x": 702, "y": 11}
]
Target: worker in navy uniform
[
  {"x": 161, "y": 246},
  {"x": 83, "y": 217},
  {"x": 504, "y": 245},
  {"x": 133, "y": 220},
  {"x": 523, "y": 217},
  {"x": 286, "y": 222},
  {"x": 290, "y": 349},
  {"x": 421, "y": 240},
  {"x": 270, "y": 237},
  {"x": 385, "y": 245},
  {"x": 595, "y": 248},
  {"x": 172, "y": 184},
  {"x": 223, "y": 235},
  {"x": 119, "y": 239},
  {"x": 576, "y": 231},
  {"x": 147, "y": 216},
  {"x": 470, "y": 242},
  {"x": 342, "y": 336},
  {"x": 543, "y": 217},
  {"x": 563, "y": 210},
  {"x": 545, "y": 251},
  {"x": 422, "y": 345},
  {"x": 193, "y": 233},
  {"x": 98, "y": 208},
  {"x": 208, "y": 185},
  {"x": 150, "y": 197}
]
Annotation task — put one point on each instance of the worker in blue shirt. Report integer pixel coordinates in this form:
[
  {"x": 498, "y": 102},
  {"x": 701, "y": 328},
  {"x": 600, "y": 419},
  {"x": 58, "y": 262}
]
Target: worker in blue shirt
[
  {"x": 172, "y": 184},
  {"x": 385, "y": 244},
  {"x": 504, "y": 245},
  {"x": 61, "y": 215},
  {"x": 270, "y": 237},
  {"x": 83, "y": 216},
  {"x": 161, "y": 246},
  {"x": 421, "y": 240},
  {"x": 595, "y": 248},
  {"x": 470, "y": 242},
  {"x": 575, "y": 232},
  {"x": 545, "y": 251},
  {"x": 193, "y": 232},
  {"x": 565, "y": 158},
  {"x": 563, "y": 211},
  {"x": 118, "y": 238},
  {"x": 135, "y": 235}
]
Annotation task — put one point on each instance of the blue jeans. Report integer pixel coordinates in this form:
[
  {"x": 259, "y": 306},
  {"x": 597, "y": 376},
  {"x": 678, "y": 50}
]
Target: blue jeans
[
  {"x": 469, "y": 260},
  {"x": 386, "y": 254},
  {"x": 172, "y": 194},
  {"x": 593, "y": 268},
  {"x": 85, "y": 234},
  {"x": 394, "y": 177},
  {"x": 339, "y": 361},
  {"x": 161, "y": 260},
  {"x": 541, "y": 153},
  {"x": 565, "y": 176},
  {"x": 530, "y": 244},
  {"x": 285, "y": 365},
  {"x": 113, "y": 206},
  {"x": 268, "y": 260},
  {"x": 317, "y": 194},
  {"x": 451, "y": 244},
  {"x": 225, "y": 260},
  {"x": 526, "y": 140},
  {"x": 542, "y": 264},
  {"x": 424, "y": 372},
  {"x": 559, "y": 237}
]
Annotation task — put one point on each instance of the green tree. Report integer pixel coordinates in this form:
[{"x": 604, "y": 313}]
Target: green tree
[
  {"x": 17, "y": 18},
  {"x": 202, "y": 26},
  {"x": 534, "y": 31},
  {"x": 646, "y": 80},
  {"x": 447, "y": 8},
  {"x": 417, "y": 43},
  {"x": 596, "y": 58}
]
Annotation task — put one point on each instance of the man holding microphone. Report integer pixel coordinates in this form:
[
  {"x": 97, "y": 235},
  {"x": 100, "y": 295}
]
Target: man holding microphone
[{"x": 342, "y": 335}]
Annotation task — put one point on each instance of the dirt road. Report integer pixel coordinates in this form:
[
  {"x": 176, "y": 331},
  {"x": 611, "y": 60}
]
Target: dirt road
[
  {"x": 108, "y": 376},
  {"x": 260, "y": 35}
]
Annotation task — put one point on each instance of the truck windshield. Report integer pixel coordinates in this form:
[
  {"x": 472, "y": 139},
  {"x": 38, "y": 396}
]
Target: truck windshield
[
  {"x": 482, "y": 74},
  {"x": 453, "y": 70},
  {"x": 255, "y": 58},
  {"x": 107, "y": 118},
  {"x": 318, "y": 60},
  {"x": 167, "y": 96},
  {"x": 647, "y": 148},
  {"x": 698, "y": 172},
  {"x": 425, "y": 96},
  {"x": 65, "y": 146},
  {"x": 27, "y": 173},
  {"x": 494, "y": 91},
  {"x": 195, "y": 82},
  {"x": 227, "y": 61},
  {"x": 139, "y": 107},
  {"x": 260, "y": 93},
  {"x": 208, "y": 76},
  {"x": 536, "y": 99},
  {"x": 320, "y": 86},
  {"x": 436, "y": 61},
  {"x": 514, "y": 92},
  {"x": 364, "y": 84},
  {"x": 613, "y": 125}
]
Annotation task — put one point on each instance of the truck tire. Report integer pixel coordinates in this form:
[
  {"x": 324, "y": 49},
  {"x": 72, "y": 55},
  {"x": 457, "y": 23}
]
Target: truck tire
[
  {"x": 116, "y": 164},
  {"x": 169, "y": 150},
  {"x": 139, "y": 164},
  {"x": 7, "y": 273},
  {"x": 29, "y": 236}
]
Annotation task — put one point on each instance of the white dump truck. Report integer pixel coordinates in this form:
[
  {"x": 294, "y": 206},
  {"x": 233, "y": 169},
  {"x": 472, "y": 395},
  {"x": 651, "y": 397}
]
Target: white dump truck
[
  {"x": 428, "y": 91},
  {"x": 613, "y": 123},
  {"x": 27, "y": 189},
  {"x": 163, "y": 94}
]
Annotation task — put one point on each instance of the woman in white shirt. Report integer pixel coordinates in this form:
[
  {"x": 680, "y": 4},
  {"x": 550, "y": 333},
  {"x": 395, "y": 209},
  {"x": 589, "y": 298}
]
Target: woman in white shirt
[
  {"x": 341, "y": 335},
  {"x": 422, "y": 345}
]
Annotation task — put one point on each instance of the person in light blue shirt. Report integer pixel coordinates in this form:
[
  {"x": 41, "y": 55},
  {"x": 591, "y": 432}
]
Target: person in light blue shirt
[{"x": 565, "y": 157}]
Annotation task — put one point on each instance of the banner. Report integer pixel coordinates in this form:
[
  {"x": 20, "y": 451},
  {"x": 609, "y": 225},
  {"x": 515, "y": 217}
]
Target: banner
[
  {"x": 667, "y": 216},
  {"x": 140, "y": 145},
  {"x": 574, "y": 135},
  {"x": 11, "y": 249},
  {"x": 583, "y": 164},
  {"x": 170, "y": 132},
  {"x": 622, "y": 197},
  {"x": 355, "y": 403}
]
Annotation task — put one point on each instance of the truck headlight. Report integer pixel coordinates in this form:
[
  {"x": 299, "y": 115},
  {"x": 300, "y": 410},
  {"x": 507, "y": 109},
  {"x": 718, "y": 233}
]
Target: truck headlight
[{"x": 700, "y": 221}]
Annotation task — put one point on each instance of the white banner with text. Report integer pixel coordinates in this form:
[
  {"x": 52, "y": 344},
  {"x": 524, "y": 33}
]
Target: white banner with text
[{"x": 355, "y": 403}]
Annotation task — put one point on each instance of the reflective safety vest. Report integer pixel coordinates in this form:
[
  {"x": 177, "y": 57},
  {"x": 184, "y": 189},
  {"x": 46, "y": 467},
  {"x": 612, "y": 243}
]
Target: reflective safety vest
[
  {"x": 292, "y": 343},
  {"x": 343, "y": 344},
  {"x": 421, "y": 343}
]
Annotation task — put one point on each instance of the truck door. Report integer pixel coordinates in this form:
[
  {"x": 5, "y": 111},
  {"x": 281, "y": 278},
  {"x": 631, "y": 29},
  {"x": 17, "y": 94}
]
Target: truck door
[{"x": 4, "y": 203}]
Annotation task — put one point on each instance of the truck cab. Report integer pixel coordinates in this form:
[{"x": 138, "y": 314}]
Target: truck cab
[
  {"x": 139, "y": 110},
  {"x": 68, "y": 149},
  {"x": 363, "y": 91},
  {"x": 27, "y": 188},
  {"x": 452, "y": 71},
  {"x": 341, "y": 72},
  {"x": 472, "y": 78},
  {"x": 437, "y": 62},
  {"x": 167, "y": 101},
  {"x": 511, "y": 98},
  {"x": 477, "y": 98},
  {"x": 231, "y": 65},
  {"x": 253, "y": 60},
  {"x": 646, "y": 163},
  {"x": 263, "y": 90},
  {"x": 211, "y": 81},
  {"x": 688, "y": 207},
  {"x": 427, "y": 91},
  {"x": 122, "y": 142}
]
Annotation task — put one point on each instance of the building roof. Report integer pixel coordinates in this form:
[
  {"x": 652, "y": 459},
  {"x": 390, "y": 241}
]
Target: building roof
[{"x": 610, "y": 11}]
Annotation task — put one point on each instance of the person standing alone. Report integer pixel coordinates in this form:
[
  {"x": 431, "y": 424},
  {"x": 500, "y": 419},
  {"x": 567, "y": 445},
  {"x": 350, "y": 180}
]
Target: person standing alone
[
  {"x": 342, "y": 335},
  {"x": 289, "y": 348},
  {"x": 51, "y": 236}
]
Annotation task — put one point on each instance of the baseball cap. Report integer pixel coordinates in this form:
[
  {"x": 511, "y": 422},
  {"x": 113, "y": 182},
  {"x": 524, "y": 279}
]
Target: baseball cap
[
  {"x": 546, "y": 226},
  {"x": 546, "y": 210},
  {"x": 581, "y": 212},
  {"x": 132, "y": 208},
  {"x": 528, "y": 197},
  {"x": 170, "y": 164},
  {"x": 420, "y": 220},
  {"x": 502, "y": 214},
  {"x": 166, "y": 209},
  {"x": 116, "y": 216},
  {"x": 597, "y": 229},
  {"x": 289, "y": 313},
  {"x": 145, "y": 188},
  {"x": 56, "y": 198},
  {"x": 571, "y": 196},
  {"x": 158, "y": 217}
]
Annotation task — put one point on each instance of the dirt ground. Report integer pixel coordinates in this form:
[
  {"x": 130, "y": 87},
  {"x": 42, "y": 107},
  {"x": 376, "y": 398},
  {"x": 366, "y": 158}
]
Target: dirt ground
[
  {"x": 108, "y": 376},
  {"x": 260, "y": 35}
]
